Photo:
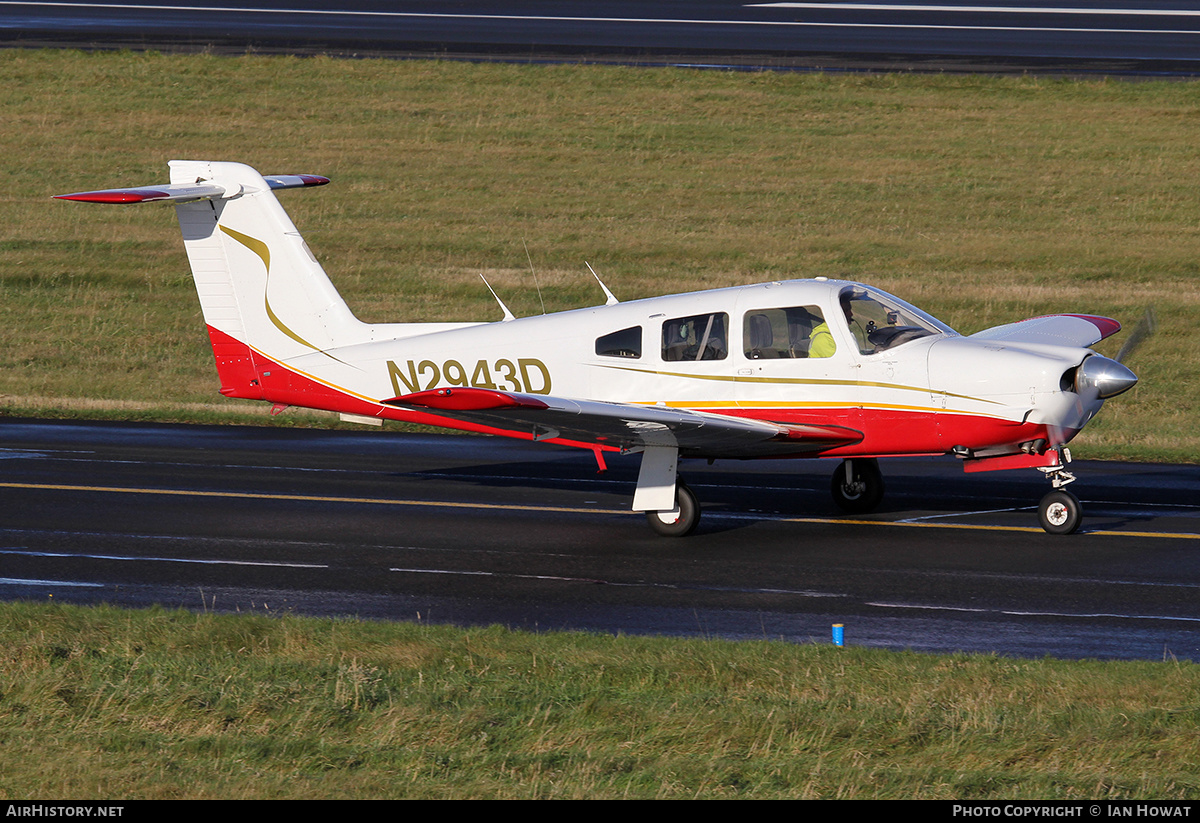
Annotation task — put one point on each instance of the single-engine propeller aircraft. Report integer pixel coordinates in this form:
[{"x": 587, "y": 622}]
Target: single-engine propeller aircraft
[{"x": 800, "y": 368}]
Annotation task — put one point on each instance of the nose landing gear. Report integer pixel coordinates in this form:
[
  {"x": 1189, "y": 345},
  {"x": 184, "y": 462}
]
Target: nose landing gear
[{"x": 1060, "y": 511}]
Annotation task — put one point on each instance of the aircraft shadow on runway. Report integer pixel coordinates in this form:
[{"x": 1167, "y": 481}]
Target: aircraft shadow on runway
[{"x": 797, "y": 489}]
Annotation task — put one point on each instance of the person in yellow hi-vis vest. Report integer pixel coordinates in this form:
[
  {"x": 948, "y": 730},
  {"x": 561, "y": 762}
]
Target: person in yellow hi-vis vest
[{"x": 821, "y": 343}]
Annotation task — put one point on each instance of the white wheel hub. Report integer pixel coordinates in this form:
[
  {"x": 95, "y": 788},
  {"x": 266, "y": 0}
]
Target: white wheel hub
[
  {"x": 670, "y": 518},
  {"x": 1057, "y": 513}
]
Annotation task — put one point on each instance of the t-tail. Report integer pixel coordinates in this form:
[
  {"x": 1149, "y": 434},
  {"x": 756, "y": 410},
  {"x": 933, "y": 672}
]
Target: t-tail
[{"x": 261, "y": 289}]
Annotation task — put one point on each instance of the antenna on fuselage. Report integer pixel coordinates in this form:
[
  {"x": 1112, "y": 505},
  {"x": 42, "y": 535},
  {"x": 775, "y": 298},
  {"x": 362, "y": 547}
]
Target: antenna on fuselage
[
  {"x": 507, "y": 314},
  {"x": 534, "y": 273},
  {"x": 610, "y": 299}
]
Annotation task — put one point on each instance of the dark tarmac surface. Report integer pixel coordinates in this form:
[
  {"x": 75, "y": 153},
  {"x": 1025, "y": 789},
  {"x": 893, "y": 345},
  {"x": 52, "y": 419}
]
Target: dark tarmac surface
[
  {"x": 474, "y": 531},
  {"x": 1113, "y": 37}
]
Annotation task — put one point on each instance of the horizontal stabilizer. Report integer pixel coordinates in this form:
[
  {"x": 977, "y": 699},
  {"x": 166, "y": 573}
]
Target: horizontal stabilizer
[
  {"x": 294, "y": 181},
  {"x": 1078, "y": 330},
  {"x": 189, "y": 192},
  {"x": 150, "y": 194}
]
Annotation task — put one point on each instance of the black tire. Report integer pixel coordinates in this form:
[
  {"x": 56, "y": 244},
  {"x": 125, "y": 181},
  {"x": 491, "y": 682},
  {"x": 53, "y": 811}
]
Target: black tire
[
  {"x": 1060, "y": 512},
  {"x": 864, "y": 493},
  {"x": 684, "y": 522}
]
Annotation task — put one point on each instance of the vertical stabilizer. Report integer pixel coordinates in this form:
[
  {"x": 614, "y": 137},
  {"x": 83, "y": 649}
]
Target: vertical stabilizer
[{"x": 259, "y": 284}]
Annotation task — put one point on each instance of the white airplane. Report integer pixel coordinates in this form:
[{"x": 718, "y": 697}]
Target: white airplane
[{"x": 800, "y": 368}]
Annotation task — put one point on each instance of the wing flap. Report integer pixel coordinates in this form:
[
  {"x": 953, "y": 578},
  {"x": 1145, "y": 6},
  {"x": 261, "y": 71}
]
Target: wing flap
[
  {"x": 623, "y": 425},
  {"x": 1077, "y": 330}
]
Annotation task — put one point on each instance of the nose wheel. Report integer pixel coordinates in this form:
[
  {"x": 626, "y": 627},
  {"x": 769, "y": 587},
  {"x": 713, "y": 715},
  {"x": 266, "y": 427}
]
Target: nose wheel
[{"x": 1060, "y": 512}]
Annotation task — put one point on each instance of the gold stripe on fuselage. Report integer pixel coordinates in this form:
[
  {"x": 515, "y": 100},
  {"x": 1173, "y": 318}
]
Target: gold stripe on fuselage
[{"x": 801, "y": 381}]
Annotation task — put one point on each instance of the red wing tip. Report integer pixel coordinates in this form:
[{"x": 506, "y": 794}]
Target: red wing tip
[
  {"x": 313, "y": 179},
  {"x": 115, "y": 196},
  {"x": 1105, "y": 325},
  {"x": 462, "y": 399}
]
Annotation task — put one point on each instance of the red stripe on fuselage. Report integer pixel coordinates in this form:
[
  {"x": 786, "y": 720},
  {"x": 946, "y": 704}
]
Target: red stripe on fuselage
[
  {"x": 267, "y": 379},
  {"x": 903, "y": 431},
  {"x": 247, "y": 373}
]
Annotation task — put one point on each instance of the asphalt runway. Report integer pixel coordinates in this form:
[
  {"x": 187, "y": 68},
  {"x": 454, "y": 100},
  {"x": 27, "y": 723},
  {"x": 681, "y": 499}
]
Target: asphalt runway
[
  {"x": 1099, "y": 36},
  {"x": 477, "y": 531}
]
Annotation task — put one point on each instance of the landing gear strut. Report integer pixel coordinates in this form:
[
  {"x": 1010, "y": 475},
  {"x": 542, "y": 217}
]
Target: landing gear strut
[{"x": 857, "y": 485}]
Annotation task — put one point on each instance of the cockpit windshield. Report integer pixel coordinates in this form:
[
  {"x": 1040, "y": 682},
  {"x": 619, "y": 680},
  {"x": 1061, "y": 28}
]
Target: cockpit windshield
[{"x": 880, "y": 321}]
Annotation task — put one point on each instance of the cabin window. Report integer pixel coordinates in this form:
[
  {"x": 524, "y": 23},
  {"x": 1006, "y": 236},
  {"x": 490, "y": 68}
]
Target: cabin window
[
  {"x": 699, "y": 337},
  {"x": 773, "y": 334},
  {"x": 623, "y": 343}
]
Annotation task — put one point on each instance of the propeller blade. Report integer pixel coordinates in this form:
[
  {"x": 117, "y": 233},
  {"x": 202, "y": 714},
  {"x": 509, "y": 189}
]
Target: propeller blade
[{"x": 1145, "y": 329}]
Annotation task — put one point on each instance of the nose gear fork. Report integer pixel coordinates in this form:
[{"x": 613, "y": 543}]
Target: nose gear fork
[{"x": 1058, "y": 475}]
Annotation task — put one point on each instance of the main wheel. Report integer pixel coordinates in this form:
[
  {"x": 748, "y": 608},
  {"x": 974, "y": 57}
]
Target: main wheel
[
  {"x": 683, "y": 520},
  {"x": 861, "y": 493},
  {"x": 1060, "y": 512}
]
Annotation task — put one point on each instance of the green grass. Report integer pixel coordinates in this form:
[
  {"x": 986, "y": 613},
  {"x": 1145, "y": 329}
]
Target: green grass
[
  {"x": 113, "y": 704},
  {"x": 983, "y": 200}
]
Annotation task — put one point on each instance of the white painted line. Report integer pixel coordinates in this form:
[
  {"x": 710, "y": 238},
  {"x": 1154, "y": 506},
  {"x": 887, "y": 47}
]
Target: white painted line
[
  {"x": 979, "y": 9},
  {"x": 927, "y": 517},
  {"x": 592, "y": 580},
  {"x": 75, "y": 556},
  {"x": 1076, "y": 615},
  {"x": 17, "y": 581},
  {"x": 469, "y": 573}
]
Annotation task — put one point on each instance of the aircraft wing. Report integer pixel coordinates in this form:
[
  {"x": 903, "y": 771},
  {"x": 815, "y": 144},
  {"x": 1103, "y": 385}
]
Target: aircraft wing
[
  {"x": 623, "y": 425},
  {"x": 1077, "y": 330}
]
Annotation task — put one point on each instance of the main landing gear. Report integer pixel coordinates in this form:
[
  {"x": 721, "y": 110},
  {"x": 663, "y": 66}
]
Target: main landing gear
[
  {"x": 670, "y": 506},
  {"x": 857, "y": 485},
  {"x": 680, "y": 522}
]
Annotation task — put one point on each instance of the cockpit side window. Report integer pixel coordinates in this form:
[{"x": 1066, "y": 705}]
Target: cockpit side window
[
  {"x": 800, "y": 331},
  {"x": 880, "y": 322},
  {"x": 623, "y": 343},
  {"x": 699, "y": 337}
]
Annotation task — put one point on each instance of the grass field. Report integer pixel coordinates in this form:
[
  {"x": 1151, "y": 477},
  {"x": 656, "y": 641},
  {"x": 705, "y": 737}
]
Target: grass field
[
  {"x": 111, "y": 704},
  {"x": 983, "y": 200}
]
